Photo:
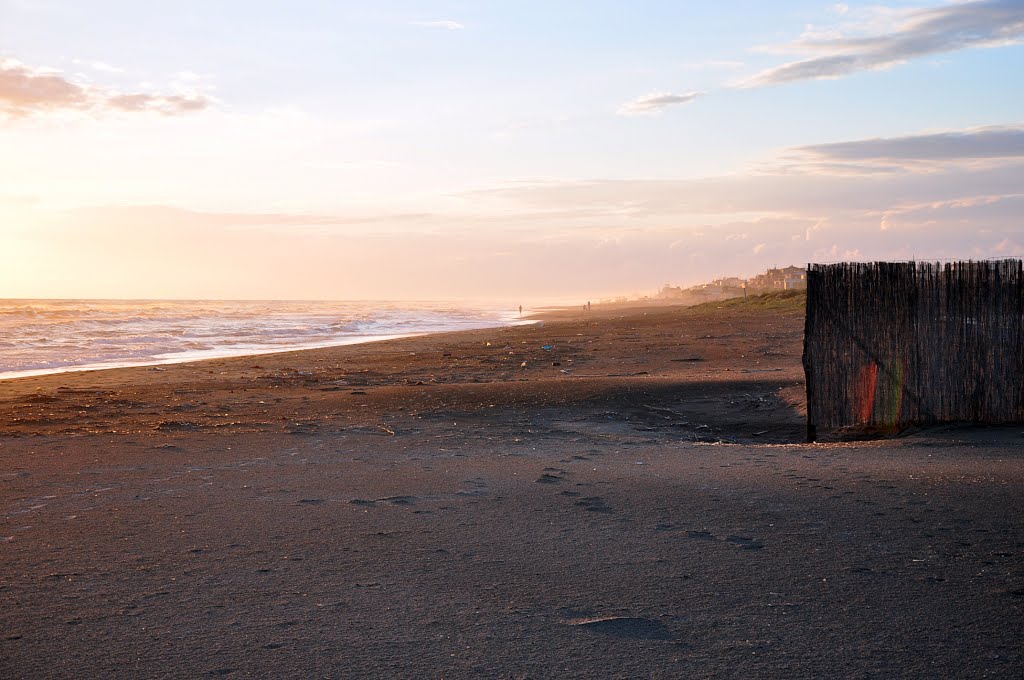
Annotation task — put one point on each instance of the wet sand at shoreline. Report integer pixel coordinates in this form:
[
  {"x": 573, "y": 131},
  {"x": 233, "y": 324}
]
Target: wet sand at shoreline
[{"x": 634, "y": 501}]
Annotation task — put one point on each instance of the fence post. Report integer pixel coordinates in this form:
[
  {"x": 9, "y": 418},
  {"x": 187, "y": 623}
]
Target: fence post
[{"x": 812, "y": 430}]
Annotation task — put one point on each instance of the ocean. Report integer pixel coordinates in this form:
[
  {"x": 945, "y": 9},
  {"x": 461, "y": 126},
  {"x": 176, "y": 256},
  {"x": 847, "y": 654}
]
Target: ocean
[{"x": 52, "y": 336}]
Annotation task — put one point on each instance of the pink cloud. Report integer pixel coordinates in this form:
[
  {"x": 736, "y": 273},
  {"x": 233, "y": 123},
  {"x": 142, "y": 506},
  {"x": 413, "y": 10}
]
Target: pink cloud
[{"x": 25, "y": 92}]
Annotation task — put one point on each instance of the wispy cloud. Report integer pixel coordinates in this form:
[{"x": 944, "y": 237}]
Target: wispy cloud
[
  {"x": 978, "y": 210},
  {"x": 924, "y": 152},
  {"x": 869, "y": 39},
  {"x": 961, "y": 194},
  {"x": 27, "y": 91},
  {"x": 756, "y": 220},
  {"x": 889, "y": 37},
  {"x": 442, "y": 23},
  {"x": 656, "y": 102}
]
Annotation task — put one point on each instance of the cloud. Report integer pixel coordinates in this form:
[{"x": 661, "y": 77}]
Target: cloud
[
  {"x": 976, "y": 210},
  {"x": 444, "y": 23},
  {"x": 961, "y": 196},
  {"x": 811, "y": 203},
  {"x": 23, "y": 90},
  {"x": 741, "y": 223},
  {"x": 896, "y": 36},
  {"x": 26, "y": 91},
  {"x": 174, "y": 104},
  {"x": 879, "y": 38},
  {"x": 917, "y": 153},
  {"x": 656, "y": 102},
  {"x": 986, "y": 142},
  {"x": 1008, "y": 248}
]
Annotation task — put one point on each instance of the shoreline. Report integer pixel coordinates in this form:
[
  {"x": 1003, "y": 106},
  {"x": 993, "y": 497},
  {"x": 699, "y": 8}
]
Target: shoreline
[
  {"x": 186, "y": 357},
  {"x": 215, "y": 354},
  {"x": 538, "y": 315}
]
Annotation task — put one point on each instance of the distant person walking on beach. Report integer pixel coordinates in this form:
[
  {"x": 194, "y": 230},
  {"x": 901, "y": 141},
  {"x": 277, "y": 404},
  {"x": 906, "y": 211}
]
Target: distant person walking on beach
[
  {"x": 588, "y": 305},
  {"x": 520, "y": 311}
]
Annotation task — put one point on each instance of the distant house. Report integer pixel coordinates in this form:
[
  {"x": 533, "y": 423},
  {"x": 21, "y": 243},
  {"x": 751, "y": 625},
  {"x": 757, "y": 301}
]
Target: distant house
[
  {"x": 786, "y": 278},
  {"x": 728, "y": 282},
  {"x": 794, "y": 278}
]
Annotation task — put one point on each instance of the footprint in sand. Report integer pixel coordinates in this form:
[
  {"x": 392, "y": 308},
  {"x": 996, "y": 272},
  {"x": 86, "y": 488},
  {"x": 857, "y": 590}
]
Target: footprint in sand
[
  {"x": 476, "y": 487},
  {"x": 700, "y": 535},
  {"x": 594, "y": 504},
  {"x": 745, "y": 542},
  {"x": 399, "y": 500},
  {"x": 551, "y": 476},
  {"x": 624, "y": 627},
  {"x": 222, "y": 671}
]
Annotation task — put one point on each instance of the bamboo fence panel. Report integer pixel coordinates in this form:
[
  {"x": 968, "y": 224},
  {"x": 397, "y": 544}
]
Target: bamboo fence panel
[{"x": 888, "y": 345}]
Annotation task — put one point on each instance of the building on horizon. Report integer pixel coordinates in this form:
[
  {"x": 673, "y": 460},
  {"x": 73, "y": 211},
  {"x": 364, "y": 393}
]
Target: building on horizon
[{"x": 786, "y": 278}]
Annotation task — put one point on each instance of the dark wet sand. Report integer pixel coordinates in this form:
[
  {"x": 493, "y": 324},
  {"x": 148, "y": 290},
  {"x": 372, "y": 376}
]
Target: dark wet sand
[{"x": 429, "y": 507}]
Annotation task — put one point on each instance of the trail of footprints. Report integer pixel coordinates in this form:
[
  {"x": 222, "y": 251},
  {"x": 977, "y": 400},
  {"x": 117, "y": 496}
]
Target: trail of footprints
[
  {"x": 553, "y": 475},
  {"x": 471, "y": 488}
]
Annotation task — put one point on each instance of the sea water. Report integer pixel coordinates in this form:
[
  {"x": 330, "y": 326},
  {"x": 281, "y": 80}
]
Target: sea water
[{"x": 51, "y": 336}]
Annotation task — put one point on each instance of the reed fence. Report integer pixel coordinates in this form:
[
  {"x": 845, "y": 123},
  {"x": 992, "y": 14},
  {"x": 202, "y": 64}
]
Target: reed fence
[{"x": 888, "y": 345}]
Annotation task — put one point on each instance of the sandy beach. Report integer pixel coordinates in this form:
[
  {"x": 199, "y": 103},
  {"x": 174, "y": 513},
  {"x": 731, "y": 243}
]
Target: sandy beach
[{"x": 622, "y": 493}]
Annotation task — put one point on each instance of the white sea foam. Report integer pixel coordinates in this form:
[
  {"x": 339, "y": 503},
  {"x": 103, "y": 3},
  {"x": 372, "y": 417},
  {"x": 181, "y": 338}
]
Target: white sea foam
[{"x": 52, "y": 336}]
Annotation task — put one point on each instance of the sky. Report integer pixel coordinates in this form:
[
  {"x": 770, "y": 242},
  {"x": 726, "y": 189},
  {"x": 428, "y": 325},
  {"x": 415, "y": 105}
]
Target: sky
[{"x": 516, "y": 150}]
